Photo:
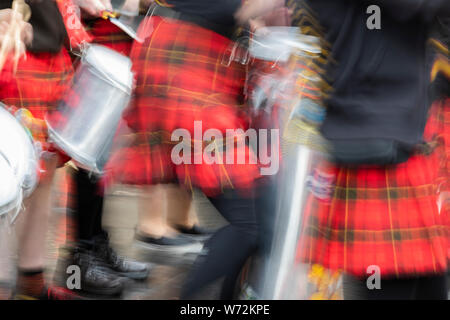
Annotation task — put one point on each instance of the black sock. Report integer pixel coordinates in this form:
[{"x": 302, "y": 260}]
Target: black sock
[{"x": 89, "y": 207}]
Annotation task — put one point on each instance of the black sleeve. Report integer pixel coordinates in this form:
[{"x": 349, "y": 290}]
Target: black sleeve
[
  {"x": 5, "y": 4},
  {"x": 218, "y": 11},
  {"x": 49, "y": 31},
  {"x": 48, "y": 27}
]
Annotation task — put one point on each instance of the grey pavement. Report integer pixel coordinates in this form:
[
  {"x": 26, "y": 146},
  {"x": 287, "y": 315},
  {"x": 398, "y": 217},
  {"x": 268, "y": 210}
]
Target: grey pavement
[{"x": 120, "y": 218}]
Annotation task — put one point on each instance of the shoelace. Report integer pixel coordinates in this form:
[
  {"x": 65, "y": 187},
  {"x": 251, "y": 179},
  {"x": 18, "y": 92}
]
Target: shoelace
[
  {"x": 93, "y": 262},
  {"x": 90, "y": 263},
  {"x": 98, "y": 273},
  {"x": 112, "y": 255}
]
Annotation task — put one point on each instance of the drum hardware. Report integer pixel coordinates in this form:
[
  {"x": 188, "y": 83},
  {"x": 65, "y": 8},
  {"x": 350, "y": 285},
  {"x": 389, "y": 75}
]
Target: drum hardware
[{"x": 237, "y": 52}]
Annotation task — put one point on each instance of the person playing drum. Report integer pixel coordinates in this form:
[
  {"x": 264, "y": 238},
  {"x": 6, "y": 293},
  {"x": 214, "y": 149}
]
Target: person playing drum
[{"x": 36, "y": 84}]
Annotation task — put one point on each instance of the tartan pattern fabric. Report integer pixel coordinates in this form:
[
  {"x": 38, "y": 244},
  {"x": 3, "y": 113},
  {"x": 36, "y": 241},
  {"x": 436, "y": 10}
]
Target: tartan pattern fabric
[
  {"x": 183, "y": 77},
  {"x": 444, "y": 137},
  {"x": 109, "y": 35},
  {"x": 38, "y": 85},
  {"x": 444, "y": 173},
  {"x": 383, "y": 216},
  {"x": 76, "y": 34}
]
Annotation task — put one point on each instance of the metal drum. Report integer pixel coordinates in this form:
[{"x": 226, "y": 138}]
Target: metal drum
[
  {"x": 285, "y": 277},
  {"x": 274, "y": 44},
  {"x": 88, "y": 117},
  {"x": 279, "y": 99},
  {"x": 18, "y": 163}
]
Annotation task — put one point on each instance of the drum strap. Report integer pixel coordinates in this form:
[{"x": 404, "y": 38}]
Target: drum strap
[{"x": 75, "y": 30}]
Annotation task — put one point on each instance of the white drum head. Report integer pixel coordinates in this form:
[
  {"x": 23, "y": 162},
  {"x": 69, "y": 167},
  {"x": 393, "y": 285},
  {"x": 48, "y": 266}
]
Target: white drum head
[
  {"x": 10, "y": 191},
  {"x": 279, "y": 43},
  {"x": 18, "y": 162}
]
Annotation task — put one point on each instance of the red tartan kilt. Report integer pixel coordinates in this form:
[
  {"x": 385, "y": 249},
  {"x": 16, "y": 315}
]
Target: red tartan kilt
[
  {"x": 383, "y": 216},
  {"x": 145, "y": 165},
  {"x": 181, "y": 79},
  {"x": 109, "y": 35},
  {"x": 39, "y": 84}
]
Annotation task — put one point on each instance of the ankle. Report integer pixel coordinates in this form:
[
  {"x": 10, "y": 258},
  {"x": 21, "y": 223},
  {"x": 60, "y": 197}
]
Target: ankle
[{"x": 154, "y": 232}]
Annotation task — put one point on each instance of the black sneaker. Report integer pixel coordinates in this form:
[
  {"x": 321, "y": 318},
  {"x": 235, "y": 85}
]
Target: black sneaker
[
  {"x": 96, "y": 277},
  {"x": 178, "y": 245},
  {"x": 196, "y": 232},
  {"x": 125, "y": 267}
]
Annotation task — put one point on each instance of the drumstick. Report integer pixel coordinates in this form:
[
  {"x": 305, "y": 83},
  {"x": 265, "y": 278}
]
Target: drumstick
[
  {"x": 21, "y": 7},
  {"x": 21, "y": 12}
]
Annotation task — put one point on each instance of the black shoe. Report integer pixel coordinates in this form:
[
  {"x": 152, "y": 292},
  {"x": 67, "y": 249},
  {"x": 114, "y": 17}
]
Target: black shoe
[
  {"x": 125, "y": 267},
  {"x": 180, "y": 244},
  {"x": 196, "y": 232},
  {"x": 96, "y": 277}
]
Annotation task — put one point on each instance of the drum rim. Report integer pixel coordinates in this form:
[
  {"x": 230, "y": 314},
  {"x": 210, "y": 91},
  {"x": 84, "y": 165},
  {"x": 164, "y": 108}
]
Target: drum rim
[
  {"x": 259, "y": 42},
  {"x": 30, "y": 162},
  {"x": 82, "y": 159},
  {"x": 89, "y": 59},
  {"x": 14, "y": 203}
]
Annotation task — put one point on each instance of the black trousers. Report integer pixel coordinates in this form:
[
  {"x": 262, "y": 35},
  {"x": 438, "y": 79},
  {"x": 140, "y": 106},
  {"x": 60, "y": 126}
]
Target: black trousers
[
  {"x": 89, "y": 207},
  {"x": 228, "y": 249},
  {"x": 420, "y": 288}
]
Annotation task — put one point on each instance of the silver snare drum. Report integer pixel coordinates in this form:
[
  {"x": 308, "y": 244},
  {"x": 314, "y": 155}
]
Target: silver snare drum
[
  {"x": 93, "y": 107},
  {"x": 18, "y": 163}
]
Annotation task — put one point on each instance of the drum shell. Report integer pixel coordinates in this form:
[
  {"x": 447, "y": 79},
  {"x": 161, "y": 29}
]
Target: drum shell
[
  {"x": 275, "y": 103},
  {"x": 285, "y": 277},
  {"x": 279, "y": 56},
  {"x": 18, "y": 163},
  {"x": 88, "y": 118}
]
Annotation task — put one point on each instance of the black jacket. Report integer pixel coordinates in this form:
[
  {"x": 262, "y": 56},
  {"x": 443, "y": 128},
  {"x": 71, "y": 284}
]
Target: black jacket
[
  {"x": 49, "y": 32},
  {"x": 218, "y": 11},
  {"x": 377, "y": 112}
]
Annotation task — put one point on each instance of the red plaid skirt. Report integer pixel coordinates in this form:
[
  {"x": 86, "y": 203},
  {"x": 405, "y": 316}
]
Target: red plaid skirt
[
  {"x": 38, "y": 85},
  {"x": 384, "y": 216},
  {"x": 182, "y": 77},
  {"x": 109, "y": 35}
]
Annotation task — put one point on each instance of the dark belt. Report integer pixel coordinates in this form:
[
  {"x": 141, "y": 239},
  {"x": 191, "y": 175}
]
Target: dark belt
[{"x": 225, "y": 31}]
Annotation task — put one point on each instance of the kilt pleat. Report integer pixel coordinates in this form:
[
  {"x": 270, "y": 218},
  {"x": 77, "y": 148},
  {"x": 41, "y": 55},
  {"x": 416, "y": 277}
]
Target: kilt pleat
[{"x": 384, "y": 216}]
